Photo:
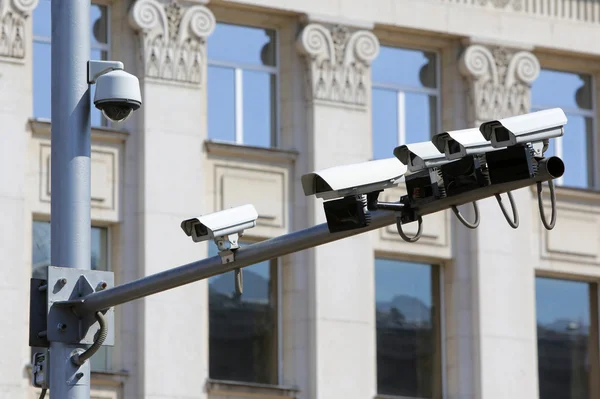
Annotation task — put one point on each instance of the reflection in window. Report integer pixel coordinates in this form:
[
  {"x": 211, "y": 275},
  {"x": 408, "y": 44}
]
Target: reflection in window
[
  {"x": 40, "y": 254},
  {"x": 573, "y": 93},
  {"x": 567, "y": 336},
  {"x": 41, "y": 56},
  {"x": 243, "y": 329},
  {"x": 242, "y": 80},
  {"x": 408, "y": 329},
  {"x": 405, "y": 98}
]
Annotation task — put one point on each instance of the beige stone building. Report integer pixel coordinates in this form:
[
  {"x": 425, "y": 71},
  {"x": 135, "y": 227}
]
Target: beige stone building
[{"x": 241, "y": 98}]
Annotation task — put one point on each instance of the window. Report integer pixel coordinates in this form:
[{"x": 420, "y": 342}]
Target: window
[
  {"x": 242, "y": 85},
  {"x": 407, "y": 297},
  {"x": 567, "y": 338},
  {"x": 244, "y": 343},
  {"x": 405, "y": 98},
  {"x": 101, "y": 360},
  {"x": 573, "y": 93},
  {"x": 100, "y": 45}
]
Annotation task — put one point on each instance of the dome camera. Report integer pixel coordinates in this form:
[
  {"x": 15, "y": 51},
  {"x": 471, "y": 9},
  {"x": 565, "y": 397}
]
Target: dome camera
[{"x": 117, "y": 92}]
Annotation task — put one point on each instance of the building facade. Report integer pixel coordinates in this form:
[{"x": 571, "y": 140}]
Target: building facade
[{"x": 240, "y": 99}]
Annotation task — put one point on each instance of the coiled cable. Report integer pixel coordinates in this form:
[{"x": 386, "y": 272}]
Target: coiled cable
[{"x": 80, "y": 358}]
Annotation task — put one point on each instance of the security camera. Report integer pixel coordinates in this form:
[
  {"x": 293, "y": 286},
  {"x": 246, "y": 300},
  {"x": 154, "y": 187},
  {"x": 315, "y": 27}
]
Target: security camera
[
  {"x": 224, "y": 227},
  {"x": 419, "y": 156},
  {"x": 353, "y": 179},
  {"x": 117, "y": 92},
  {"x": 534, "y": 127},
  {"x": 460, "y": 143}
]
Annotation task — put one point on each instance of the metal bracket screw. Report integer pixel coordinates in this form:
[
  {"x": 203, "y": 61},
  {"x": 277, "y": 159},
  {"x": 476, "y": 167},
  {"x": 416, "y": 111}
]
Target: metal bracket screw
[{"x": 61, "y": 326}]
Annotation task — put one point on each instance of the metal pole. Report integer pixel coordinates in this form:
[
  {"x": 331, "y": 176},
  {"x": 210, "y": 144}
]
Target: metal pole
[
  {"x": 70, "y": 179},
  {"x": 279, "y": 246}
]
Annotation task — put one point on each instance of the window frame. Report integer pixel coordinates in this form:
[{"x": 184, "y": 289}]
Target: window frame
[
  {"x": 594, "y": 289},
  {"x": 438, "y": 267},
  {"x": 276, "y": 265},
  {"x": 592, "y": 113},
  {"x": 402, "y": 90},
  {"x": 238, "y": 68},
  {"x": 107, "y": 47}
]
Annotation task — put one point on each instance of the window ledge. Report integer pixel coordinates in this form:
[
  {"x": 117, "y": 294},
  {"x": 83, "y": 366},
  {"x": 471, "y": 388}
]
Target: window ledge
[
  {"x": 229, "y": 388},
  {"x": 589, "y": 196},
  {"x": 99, "y": 133},
  {"x": 246, "y": 152}
]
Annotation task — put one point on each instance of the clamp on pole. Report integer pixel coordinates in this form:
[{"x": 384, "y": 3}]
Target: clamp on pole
[{"x": 227, "y": 246}]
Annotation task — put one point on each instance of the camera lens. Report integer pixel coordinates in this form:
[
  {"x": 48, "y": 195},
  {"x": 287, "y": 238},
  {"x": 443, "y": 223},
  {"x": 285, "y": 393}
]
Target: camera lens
[{"x": 117, "y": 112}]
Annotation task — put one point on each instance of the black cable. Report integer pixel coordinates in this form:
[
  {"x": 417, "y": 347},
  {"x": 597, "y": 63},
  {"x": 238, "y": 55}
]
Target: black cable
[
  {"x": 552, "y": 203},
  {"x": 512, "y": 223},
  {"x": 462, "y": 219},
  {"x": 43, "y": 394},
  {"x": 403, "y": 234}
]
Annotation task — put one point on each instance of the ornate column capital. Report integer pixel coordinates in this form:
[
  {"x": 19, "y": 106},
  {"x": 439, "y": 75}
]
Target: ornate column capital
[
  {"x": 173, "y": 39},
  {"x": 499, "y": 81},
  {"x": 338, "y": 63},
  {"x": 13, "y": 14}
]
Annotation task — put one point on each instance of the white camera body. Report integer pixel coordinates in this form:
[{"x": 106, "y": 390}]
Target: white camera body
[
  {"x": 460, "y": 143},
  {"x": 528, "y": 128},
  {"x": 354, "y": 179},
  {"x": 418, "y": 156},
  {"x": 219, "y": 225},
  {"x": 117, "y": 92}
]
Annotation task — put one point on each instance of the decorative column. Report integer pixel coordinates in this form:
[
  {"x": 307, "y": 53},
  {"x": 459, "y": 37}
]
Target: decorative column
[
  {"x": 494, "y": 325},
  {"x": 16, "y": 106},
  {"x": 170, "y": 184},
  {"x": 332, "y": 294}
]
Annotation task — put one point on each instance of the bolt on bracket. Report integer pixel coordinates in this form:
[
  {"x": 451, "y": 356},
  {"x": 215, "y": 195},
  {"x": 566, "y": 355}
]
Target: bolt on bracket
[{"x": 65, "y": 287}]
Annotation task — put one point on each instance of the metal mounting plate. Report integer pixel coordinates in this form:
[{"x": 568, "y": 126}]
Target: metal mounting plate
[{"x": 67, "y": 284}]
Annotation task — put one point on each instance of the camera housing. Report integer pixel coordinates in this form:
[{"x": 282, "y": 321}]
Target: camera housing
[
  {"x": 460, "y": 143},
  {"x": 354, "y": 179},
  {"x": 420, "y": 156},
  {"x": 117, "y": 92},
  {"x": 528, "y": 128},
  {"x": 220, "y": 225}
]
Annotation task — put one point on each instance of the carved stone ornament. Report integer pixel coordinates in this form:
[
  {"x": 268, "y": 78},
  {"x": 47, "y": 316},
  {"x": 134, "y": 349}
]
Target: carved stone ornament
[
  {"x": 173, "y": 39},
  {"x": 13, "y": 14},
  {"x": 499, "y": 81},
  {"x": 338, "y": 63}
]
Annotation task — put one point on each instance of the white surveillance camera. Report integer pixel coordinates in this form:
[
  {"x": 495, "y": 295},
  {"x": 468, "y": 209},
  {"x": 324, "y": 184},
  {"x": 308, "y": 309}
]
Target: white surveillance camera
[
  {"x": 528, "y": 128},
  {"x": 117, "y": 92},
  {"x": 460, "y": 143},
  {"x": 224, "y": 227},
  {"x": 420, "y": 156},
  {"x": 354, "y": 179}
]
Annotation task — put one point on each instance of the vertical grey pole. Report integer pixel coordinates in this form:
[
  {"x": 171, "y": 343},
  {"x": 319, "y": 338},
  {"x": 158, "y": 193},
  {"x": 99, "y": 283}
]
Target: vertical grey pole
[{"x": 70, "y": 162}]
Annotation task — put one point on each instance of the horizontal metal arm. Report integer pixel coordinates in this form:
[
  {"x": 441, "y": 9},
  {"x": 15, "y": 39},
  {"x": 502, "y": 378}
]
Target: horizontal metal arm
[
  {"x": 246, "y": 256},
  {"x": 276, "y": 247}
]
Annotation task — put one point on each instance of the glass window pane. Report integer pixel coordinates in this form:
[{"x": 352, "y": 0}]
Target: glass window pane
[
  {"x": 41, "y": 80},
  {"x": 563, "y": 333},
  {"x": 242, "y": 44},
  {"x": 99, "y": 24},
  {"x": 258, "y": 104},
  {"x": 562, "y": 89},
  {"x": 221, "y": 103},
  {"x": 384, "y": 123},
  {"x": 42, "y": 19},
  {"x": 404, "y": 67},
  {"x": 421, "y": 115},
  {"x": 575, "y": 144},
  {"x": 408, "y": 356},
  {"x": 243, "y": 329}
]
